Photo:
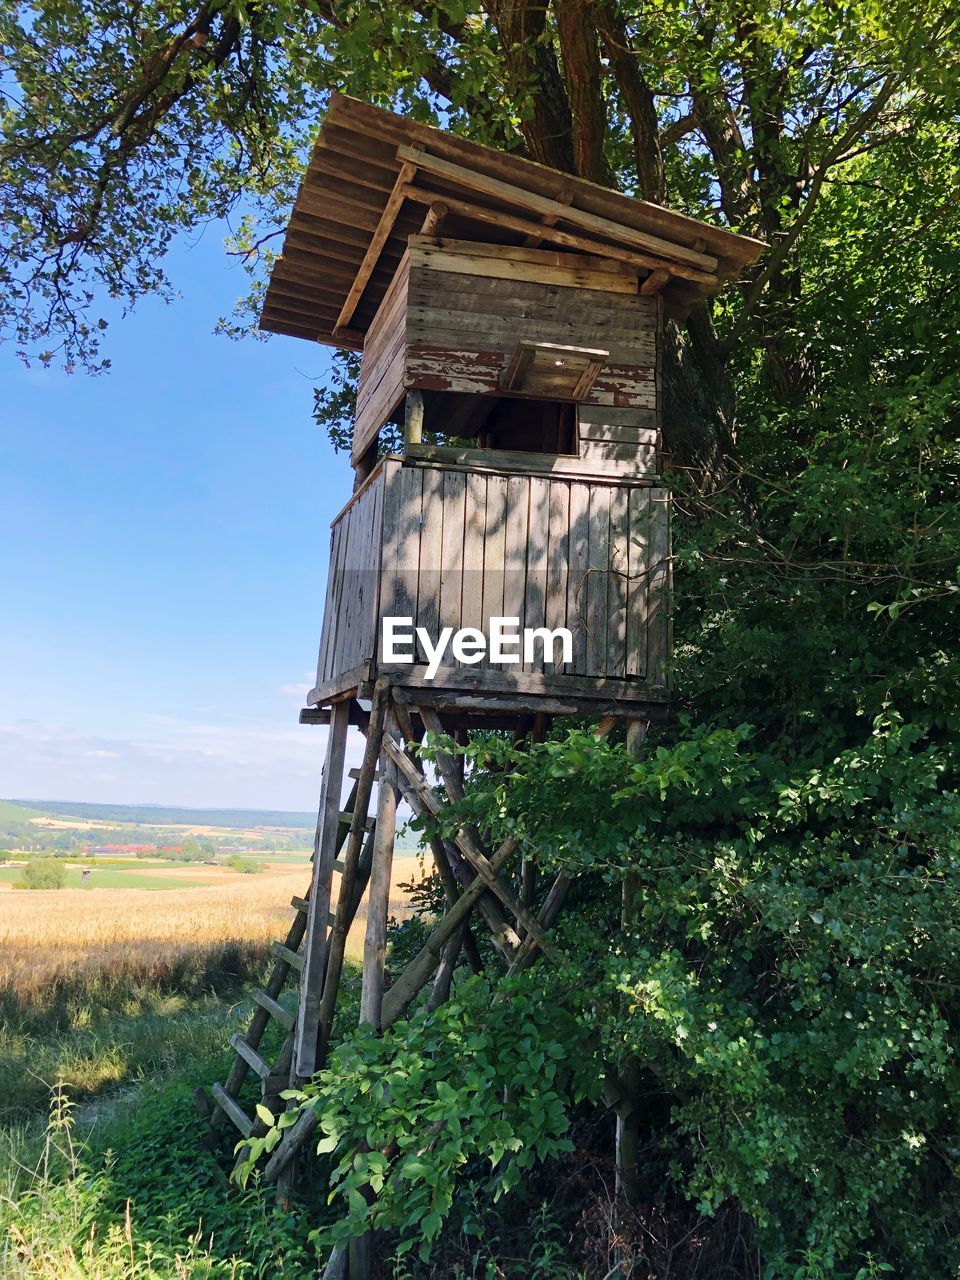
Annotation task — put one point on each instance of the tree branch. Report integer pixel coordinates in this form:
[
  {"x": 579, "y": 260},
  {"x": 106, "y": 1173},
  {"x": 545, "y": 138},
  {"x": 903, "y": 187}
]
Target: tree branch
[
  {"x": 835, "y": 155},
  {"x": 678, "y": 129},
  {"x": 637, "y": 98},
  {"x": 716, "y": 121}
]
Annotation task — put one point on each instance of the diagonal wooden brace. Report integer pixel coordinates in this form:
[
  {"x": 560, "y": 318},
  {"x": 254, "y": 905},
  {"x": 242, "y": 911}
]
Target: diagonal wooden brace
[
  {"x": 419, "y": 971},
  {"x": 546, "y": 916},
  {"x": 505, "y": 937},
  {"x": 398, "y": 998},
  {"x": 421, "y": 798}
]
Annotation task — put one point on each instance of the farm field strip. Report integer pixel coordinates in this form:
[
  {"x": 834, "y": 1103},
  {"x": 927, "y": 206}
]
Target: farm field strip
[{"x": 46, "y": 933}]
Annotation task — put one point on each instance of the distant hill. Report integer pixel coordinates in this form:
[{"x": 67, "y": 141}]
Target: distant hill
[
  {"x": 15, "y": 812},
  {"x": 155, "y": 815}
]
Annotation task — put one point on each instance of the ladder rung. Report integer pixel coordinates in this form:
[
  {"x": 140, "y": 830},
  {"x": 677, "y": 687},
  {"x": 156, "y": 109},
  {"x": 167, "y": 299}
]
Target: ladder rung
[
  {"x": 289, "y": 956},
  {"x": 231, "y": 1109},
  {"x": 276, "y": 1083},
  {"x": 250, "y": 1056},
  {"x": 346, "y": 817},
  {"x": 303, "y": 905},
  {"x": 355, "y": 775},
  {"x": 275, "y": 1010},
  {"x": 339, "y": 865}
]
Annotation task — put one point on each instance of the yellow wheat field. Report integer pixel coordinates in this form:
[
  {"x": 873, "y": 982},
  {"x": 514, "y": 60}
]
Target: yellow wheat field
[{"x": 52, "y": 937}]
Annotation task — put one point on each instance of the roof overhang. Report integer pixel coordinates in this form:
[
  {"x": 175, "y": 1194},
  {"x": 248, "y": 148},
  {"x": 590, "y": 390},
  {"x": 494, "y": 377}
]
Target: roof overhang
[{"x": 376, "y": 178}]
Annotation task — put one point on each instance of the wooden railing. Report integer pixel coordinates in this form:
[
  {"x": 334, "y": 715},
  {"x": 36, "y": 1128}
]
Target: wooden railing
[{"x": 453, "y": 545}]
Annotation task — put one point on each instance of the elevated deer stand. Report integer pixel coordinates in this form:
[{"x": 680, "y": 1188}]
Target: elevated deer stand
[{"x": 510, "y": 319}]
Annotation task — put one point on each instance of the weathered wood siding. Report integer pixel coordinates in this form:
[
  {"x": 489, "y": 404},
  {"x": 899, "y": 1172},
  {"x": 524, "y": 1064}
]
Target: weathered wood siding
[
  {"x": 611, "y": 434},
  {"x": 462, "y": 330},
  {"x": 454, "y": 547},
  {"x": 452, "y": 322},
  {"x": 350, "y": 617},
  {"x": 382, "y": 382}
]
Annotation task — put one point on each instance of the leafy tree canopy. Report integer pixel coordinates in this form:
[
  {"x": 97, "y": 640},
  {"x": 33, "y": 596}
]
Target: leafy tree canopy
[{"x": 125, "y": 125}]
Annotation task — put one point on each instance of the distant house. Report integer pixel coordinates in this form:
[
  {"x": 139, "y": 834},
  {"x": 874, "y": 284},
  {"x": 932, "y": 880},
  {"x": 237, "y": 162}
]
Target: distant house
[{"x": 120, "y": 848}]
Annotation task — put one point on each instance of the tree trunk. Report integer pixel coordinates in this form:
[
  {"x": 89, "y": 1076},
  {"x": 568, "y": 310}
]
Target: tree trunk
[{"x": 698, "y": 400}]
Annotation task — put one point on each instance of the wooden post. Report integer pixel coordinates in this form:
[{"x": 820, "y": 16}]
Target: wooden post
[
  {"x": 378, "y": 901},
  {"x": 636, "y": 733},
  {"x": 324, "y": 851},
  {"x": 528, "y": 868},
  {"x": 628, "y": 1133},
  {"x": 444, "y": 975},
  {"x": 351, "y": 860},
  {"x": 365, "y": 463},
  {"x": 435, "y": 215},
  {"x": 413, "y": 419},
  {"x": 360, "y": 1249}
]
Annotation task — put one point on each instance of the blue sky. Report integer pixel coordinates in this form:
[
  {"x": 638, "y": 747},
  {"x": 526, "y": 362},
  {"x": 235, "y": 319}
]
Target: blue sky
[{"x": 163, "y": 543}]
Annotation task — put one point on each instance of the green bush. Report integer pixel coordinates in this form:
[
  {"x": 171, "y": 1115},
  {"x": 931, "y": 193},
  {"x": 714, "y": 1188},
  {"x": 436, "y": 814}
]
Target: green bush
[
  {"x": 246, "y": 866},
  {"x": 484, "y": 1079},
  {"x": 43, "y": 873},
  {"x": 786, "y": 985},
  {"x": 789, "y": 978}
]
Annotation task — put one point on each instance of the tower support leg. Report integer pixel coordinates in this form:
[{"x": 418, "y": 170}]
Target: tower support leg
[
  {"x": 324, "y": 853},
  {"x": 378, "y": 900},
  {"x": 360, "y": 1250},
  {"x": 354, "y": 877}
]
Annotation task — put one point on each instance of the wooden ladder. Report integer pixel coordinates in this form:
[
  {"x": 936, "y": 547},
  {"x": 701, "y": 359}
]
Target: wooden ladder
[
  {"x": 313, "y": 950},
  {"x": 473, "y": 880},
  {"x": 478, "y": 885}
]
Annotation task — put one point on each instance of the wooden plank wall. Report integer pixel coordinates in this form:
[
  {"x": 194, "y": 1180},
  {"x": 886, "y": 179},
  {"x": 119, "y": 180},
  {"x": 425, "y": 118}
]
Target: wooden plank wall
[
  {"x": 450, "y": 547},
  {"x": 462, "y": 331},
  {"x": 350, "y": 620},
  {"x": 382, "y": 370},
  {"x": 451, "y": 321},
  {"x": 461, "y": 547},
  {"x": 611, "y": 434}
]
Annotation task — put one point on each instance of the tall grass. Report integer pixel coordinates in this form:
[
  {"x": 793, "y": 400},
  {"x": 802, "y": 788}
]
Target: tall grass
[
  {"x": 100, "y": 990},
  {"x": 124, "y": 1000},
  {"x": 63, "y": 1223}
]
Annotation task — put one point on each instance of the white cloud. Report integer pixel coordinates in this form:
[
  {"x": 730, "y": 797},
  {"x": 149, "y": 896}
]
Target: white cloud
[{"x": 249, "y": 764}]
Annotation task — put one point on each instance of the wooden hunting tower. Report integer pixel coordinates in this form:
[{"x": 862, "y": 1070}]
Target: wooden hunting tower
[{"x": 505, "y": 446}]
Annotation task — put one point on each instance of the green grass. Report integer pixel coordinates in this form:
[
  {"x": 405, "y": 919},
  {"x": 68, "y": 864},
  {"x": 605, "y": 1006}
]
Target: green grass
[
  {"x": 95, "y": 1057},
  {"x": 129, "y": 1183},
  {"x": 140, "y": 1197},
  {"x": 101, "y": 878},
  {"x": 10, "y": 812}
]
